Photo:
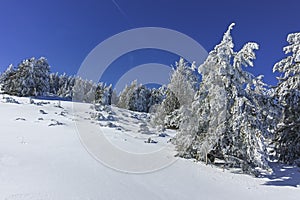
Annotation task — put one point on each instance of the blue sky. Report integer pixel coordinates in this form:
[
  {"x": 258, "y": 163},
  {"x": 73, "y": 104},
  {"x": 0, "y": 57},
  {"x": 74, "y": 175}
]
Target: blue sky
[{"x": 66, "y": 31}]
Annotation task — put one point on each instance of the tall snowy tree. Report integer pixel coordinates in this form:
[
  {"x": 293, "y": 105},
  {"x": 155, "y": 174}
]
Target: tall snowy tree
[
  {"x": 288, "y": 94},
  {"x": 179, "y": 95},
  {"x": 54, "y": 83},
  {"x": 183, "y": 82},
  {"x": 103, "y": 94},
  {"x": 223, "y": 119},
  {"x": 263, "y": 98},
  {"x": 107, "y": 97},
  {"x": 41, "y": 76}
]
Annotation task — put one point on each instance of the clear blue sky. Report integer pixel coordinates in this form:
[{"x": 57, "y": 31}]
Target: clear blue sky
[{"x": 66, "y": 31}]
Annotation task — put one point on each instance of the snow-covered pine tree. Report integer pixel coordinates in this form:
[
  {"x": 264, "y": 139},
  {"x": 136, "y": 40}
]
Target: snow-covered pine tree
[
  {"x": 288, "y": 94},
  {"x": 41, "y": 76},
  {"x": 89, "y": 91},
  {"x": 114, "y": 97},
  {"x": 99, "y": 93},
  {"x": 62, "y": 85},
  {"x": 107, "y": 95},
  {"x": 183, "y": 82},
  {"x": 54, "y": 83},
  {"x": 124, "y": 99},
  {"x": 103, "y": 94},
  {"x": 139, "y": 99},
  {"x": 179, "y": 95},
  {"x": 78, "y": 90},
  {"x": 8, "y": 81},
  {"x": 31, "y": 78},
  {"x": 223, "y": 119},
  {"x": 263, "y": 97},
  {"x": 66, "y": 84},
  {"x": 156, "y": 98}
]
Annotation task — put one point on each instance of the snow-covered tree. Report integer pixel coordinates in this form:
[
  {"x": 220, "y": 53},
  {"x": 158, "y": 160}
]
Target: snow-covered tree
[
  {"x": 41, "y": 76},
  {"x": 135, "y": 97},
  {"x": 222, "y": 122},
  {"x": 184, "y": 82},
  {"x": 103, "y": 94},
  {"x": 288, "y": 94},
  {"x": 114, "y": 97},
  {"x": 139, "y": 99},
  {"x": 54, "y": 83},
  {"x": 66, "y": 84},
  {"x": 264, "y": 99},
  {"x": 84, "y": 91},
  {"x": 156, "y": 98},
  {"x": 8, "y": 81},
  {"x": 31, "y": 78},
  {"x": 108, "y": 93},
  {"x": 126, "y": 94}
]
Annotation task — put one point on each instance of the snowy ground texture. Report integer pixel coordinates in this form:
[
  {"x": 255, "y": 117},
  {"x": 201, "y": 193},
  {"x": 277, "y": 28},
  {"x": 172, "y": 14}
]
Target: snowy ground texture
[{"x": 43, "y": 158}]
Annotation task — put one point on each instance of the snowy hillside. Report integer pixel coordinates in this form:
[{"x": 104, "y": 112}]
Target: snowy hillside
[{"x": 43, "y": 157}]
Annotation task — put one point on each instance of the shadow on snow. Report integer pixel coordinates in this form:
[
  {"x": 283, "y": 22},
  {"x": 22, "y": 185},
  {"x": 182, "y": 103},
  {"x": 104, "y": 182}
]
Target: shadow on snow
[{"x": 283, "y": 175}]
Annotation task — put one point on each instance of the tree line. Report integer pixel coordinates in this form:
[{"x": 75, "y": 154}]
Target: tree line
[{"x": 219, "y": 110}]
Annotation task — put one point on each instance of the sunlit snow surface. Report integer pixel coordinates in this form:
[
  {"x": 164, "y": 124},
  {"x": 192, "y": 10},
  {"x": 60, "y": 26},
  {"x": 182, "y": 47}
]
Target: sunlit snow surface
[{"x": 42, "y": 158}]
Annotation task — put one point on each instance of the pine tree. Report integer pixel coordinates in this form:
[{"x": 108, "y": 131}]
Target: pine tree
[
  {"x": 223, "y": 120},
  {"x": 114, "y": 97},
  {"x": 54, "y": 83},
  {"x": 139, "y": 99},
  {"x": 125, "y": 96},
  {"x": 99, "y": 93},
  {"x": 156, "y": 98},
  {"x": 8, "y": 81},
  {"x": 183, "y": 82},
  {"x": 179, "y": 95},
  {"x": 78, "y": 90},
  {"x": 288, "y": 95},
  {"x": 41, "y": 76},
  {"x": 107, "y": 96}
]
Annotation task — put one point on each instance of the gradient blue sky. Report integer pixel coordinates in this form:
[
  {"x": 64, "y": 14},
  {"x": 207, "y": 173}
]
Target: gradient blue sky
[{"x": 66, "y": 31}]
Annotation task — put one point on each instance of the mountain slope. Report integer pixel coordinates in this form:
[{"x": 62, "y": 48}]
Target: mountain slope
[{"x": 43, "y": 158}]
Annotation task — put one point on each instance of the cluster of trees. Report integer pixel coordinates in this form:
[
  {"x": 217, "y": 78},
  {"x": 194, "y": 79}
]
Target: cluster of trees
[
  {"x": 32, "y": 78},
  {"x": 228, "y": 113},
  {"x": 219, "y": 109},
  {"x": 140, "y": 98},
  {"x": 231, "y": 114},
  {"x": 224, "y": 120}
]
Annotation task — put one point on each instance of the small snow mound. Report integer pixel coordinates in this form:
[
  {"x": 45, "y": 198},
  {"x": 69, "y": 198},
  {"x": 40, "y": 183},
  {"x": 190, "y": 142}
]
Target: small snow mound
[
  {"x": 43, "y": 112},
  {"x": 56, "y": 123},
  {"x": 20, "y": 119},
  {"x": 10, "y": 100}
]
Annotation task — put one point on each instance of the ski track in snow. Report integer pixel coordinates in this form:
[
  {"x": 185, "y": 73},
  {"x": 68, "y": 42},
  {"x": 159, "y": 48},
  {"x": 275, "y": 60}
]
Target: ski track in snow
[{"x": 41, "y": 158}]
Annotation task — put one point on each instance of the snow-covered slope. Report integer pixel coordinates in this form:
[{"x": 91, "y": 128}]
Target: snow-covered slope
[{"x": 42, "y": 157}]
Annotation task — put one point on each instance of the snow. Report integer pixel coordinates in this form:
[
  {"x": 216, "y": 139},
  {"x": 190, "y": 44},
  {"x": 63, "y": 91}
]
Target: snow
[{"x": 42, "y": 162}]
